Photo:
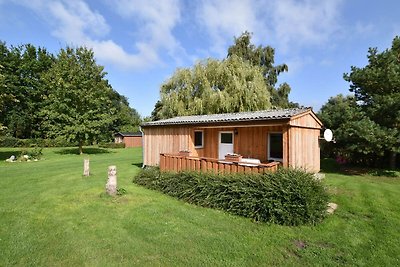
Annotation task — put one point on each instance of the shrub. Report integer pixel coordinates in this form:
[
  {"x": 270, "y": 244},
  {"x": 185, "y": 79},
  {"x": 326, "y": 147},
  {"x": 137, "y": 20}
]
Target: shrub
[
  {"x": 287, "y": 197},
  {"x": 112, "y": 145},
  {"x": 31, "y": 154},
  {"x": 8, "y": 141}
]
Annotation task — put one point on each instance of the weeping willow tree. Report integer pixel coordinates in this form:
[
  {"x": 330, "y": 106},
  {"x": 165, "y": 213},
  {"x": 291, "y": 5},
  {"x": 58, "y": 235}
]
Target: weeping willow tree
[{"x": 213, "y": 86}]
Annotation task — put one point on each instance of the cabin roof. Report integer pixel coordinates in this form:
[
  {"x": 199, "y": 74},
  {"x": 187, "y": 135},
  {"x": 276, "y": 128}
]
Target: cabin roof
[
  {"x": 128, "y": 134},
  {"x": 262, "y": 115}
]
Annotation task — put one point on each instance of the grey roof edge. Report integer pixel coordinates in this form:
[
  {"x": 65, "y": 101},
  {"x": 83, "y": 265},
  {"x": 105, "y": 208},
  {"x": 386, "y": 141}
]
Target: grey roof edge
[
  {"x": 262, "y": 115},
  {"x": 128, "y": 134}
]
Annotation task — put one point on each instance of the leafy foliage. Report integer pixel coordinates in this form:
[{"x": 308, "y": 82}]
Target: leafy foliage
[
  {"x": 127, "y": 119},
  {"x": 367, "y": 126},
  {"x": 264, "y": 57},
  {"x": 358, "y": 139},
  {"x": 79, "y": 106},
  {"x": 289, "y": 197},
  {"x": 245, "y": 81},
  {"x": 112, "y": 145},
  {"x": 213, "y": 86},
  {"x": 22, "y": 92},
  {"x": 27, "y": 85}
]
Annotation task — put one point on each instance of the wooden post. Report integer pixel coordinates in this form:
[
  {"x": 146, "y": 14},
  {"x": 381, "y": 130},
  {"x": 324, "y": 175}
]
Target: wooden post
[
  {"x": 111, "y": 186},
  {"x": 86, "y": 170}
]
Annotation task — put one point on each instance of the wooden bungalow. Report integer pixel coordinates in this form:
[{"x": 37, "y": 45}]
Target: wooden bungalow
[
  {"x": 288, "y": 136},
  {"x": 130, "y": 139}
]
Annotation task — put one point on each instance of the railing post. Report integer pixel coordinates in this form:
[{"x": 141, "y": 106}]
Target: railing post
[
  {"x": 162, "y": 162},
  {"x": 203, "y": 165}
]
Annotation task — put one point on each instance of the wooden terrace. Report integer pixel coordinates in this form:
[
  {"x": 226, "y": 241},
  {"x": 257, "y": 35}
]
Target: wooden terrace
[{"x": 176, "y": 162}]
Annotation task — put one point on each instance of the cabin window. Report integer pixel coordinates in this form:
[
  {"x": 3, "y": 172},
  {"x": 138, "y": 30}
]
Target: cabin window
[
  {"x": 275, "y": 146},
  {"x": 198, "y": 139}
]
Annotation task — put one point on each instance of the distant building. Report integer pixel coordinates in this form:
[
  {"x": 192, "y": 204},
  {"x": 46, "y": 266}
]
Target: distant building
[{"x": 129, "y": 139}]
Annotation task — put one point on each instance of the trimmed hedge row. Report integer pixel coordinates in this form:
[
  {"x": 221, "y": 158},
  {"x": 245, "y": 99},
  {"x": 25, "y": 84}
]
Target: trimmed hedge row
[
  {"x": 112, "y": 145},
  {"x": 286, "y": 197},
  {"x": 7, "y": 141}
]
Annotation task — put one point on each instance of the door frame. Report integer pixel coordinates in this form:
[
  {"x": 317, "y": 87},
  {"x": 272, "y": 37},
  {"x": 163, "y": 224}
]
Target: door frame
[
  {"x": 219, "y": 141},
  {"x": 269, "y": 147}
]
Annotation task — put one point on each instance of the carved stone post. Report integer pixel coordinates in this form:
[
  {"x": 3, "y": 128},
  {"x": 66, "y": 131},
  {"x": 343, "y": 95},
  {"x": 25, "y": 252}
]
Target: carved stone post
[
  {"x": 86, "y": 170},
  {"x": 111, "y": 186}
]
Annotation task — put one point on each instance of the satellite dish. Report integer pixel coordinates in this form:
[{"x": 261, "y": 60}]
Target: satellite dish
[{"x": 328, "y": 135}]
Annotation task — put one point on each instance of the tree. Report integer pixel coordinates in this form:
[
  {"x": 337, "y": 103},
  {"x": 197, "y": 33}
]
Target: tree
[
  {"x": 128, "y": 119},
  {"x": 79, "y": 107},
  {"x": 3, "y": 96},
  {"x": 156, "y": 113},
  {"x": 377, "y": 91},
  {"x": 264, "y": 58},
  {"x": 213, "y": 86},
  {"x": 358, "y": 138},
  {"x": 23, "y": 68}
]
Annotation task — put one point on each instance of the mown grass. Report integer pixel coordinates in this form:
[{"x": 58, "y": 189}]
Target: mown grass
[{"x": 50, "y": 215}]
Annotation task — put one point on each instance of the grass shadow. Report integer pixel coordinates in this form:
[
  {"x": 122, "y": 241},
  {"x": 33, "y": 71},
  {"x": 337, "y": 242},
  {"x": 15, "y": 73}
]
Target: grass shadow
[
  {"x": 138, "y": 164},
  {"x": 88, "y": 151},
  {"x": 7, "y": 154},
  {"x": 331, "y": 166}
]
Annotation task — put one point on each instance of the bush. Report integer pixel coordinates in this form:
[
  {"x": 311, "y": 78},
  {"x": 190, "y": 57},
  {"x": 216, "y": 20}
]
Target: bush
[
  {"x": 112, "y": 145},
  {"x": 287, "y": 197},
  {"x": 8, "y": 141},
  {"x": 31, "y": 154}
]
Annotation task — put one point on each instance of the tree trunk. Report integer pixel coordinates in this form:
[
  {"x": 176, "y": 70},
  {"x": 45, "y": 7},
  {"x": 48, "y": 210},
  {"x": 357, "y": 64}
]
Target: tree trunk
[
  {"x": 392, "y": 160},
  {"x": 80, "y": 147}
]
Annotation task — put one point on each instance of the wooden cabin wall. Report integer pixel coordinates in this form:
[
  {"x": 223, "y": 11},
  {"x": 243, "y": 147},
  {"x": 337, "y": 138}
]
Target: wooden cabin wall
[
  {"x": 133, "y": 141},
  {"x": 300, "y": 141},
  {"x": 253, "y": 141},
  {"x": 307, "y": 120},
  {"x": 249, "y": 141},
  {"x": 304, "y": 151},
  {"x": 165, "y": 140}
]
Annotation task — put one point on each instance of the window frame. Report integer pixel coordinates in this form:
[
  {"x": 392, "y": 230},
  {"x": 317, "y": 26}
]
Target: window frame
[
  {"x": 202, "y": 138},
  {"x": 269, "y": 147}
]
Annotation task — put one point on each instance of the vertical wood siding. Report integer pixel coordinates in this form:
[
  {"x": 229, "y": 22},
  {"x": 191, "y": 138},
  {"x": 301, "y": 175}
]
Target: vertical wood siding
[
  {"x": 132, "y": 141},
  {"x": 165, "y": 140},
  {"x": 169, "y": 162},
  {"x": 304, "y": 149},
  {"x": 300, "y": 141}
]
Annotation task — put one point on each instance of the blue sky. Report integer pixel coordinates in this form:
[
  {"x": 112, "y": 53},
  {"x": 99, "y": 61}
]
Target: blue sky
[{"x": 141, "y": 43}]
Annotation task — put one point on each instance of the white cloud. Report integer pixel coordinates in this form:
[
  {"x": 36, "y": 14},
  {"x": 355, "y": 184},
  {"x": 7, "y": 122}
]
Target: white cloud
[
  {"x": 297, "y": 63},
  {"x": 225, "y": 19},
  {"x": 364, "y": 29},
  {"x": 76, "y": 23},
  {"x": 302, "y": 23},
  {"x": 285, "y": 23},
  {"x": 158, "y": 20}
]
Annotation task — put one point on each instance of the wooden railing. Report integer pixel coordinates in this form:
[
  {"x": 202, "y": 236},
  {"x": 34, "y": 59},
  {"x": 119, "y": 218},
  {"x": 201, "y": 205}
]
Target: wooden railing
[{"x": 171, "y": 162}]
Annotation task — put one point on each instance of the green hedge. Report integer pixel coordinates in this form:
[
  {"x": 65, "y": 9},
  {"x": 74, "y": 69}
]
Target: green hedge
[
  {"x": 112, "y": 145},
  {"x": 7, "y": 141},
  {"x": 287, "y": 197}
]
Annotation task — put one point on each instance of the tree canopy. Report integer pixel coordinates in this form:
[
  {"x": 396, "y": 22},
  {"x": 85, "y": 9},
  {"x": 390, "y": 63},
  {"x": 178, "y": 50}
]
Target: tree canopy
[
  {"x": 358, "y": 138},
  {"x": 213, "y": 86},
  {"x": 244, "y": 81},
  {"x": 23, "y": 68},
  {"x": 264, "y": 57},
  {"x": 367, "y": 126},
  {"x": 32, "y": 78},
  {"x": 79, "y": 107}
]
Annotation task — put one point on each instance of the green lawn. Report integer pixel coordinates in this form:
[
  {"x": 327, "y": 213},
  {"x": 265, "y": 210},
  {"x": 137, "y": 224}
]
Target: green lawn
[{"x": 50, "y": 215}]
